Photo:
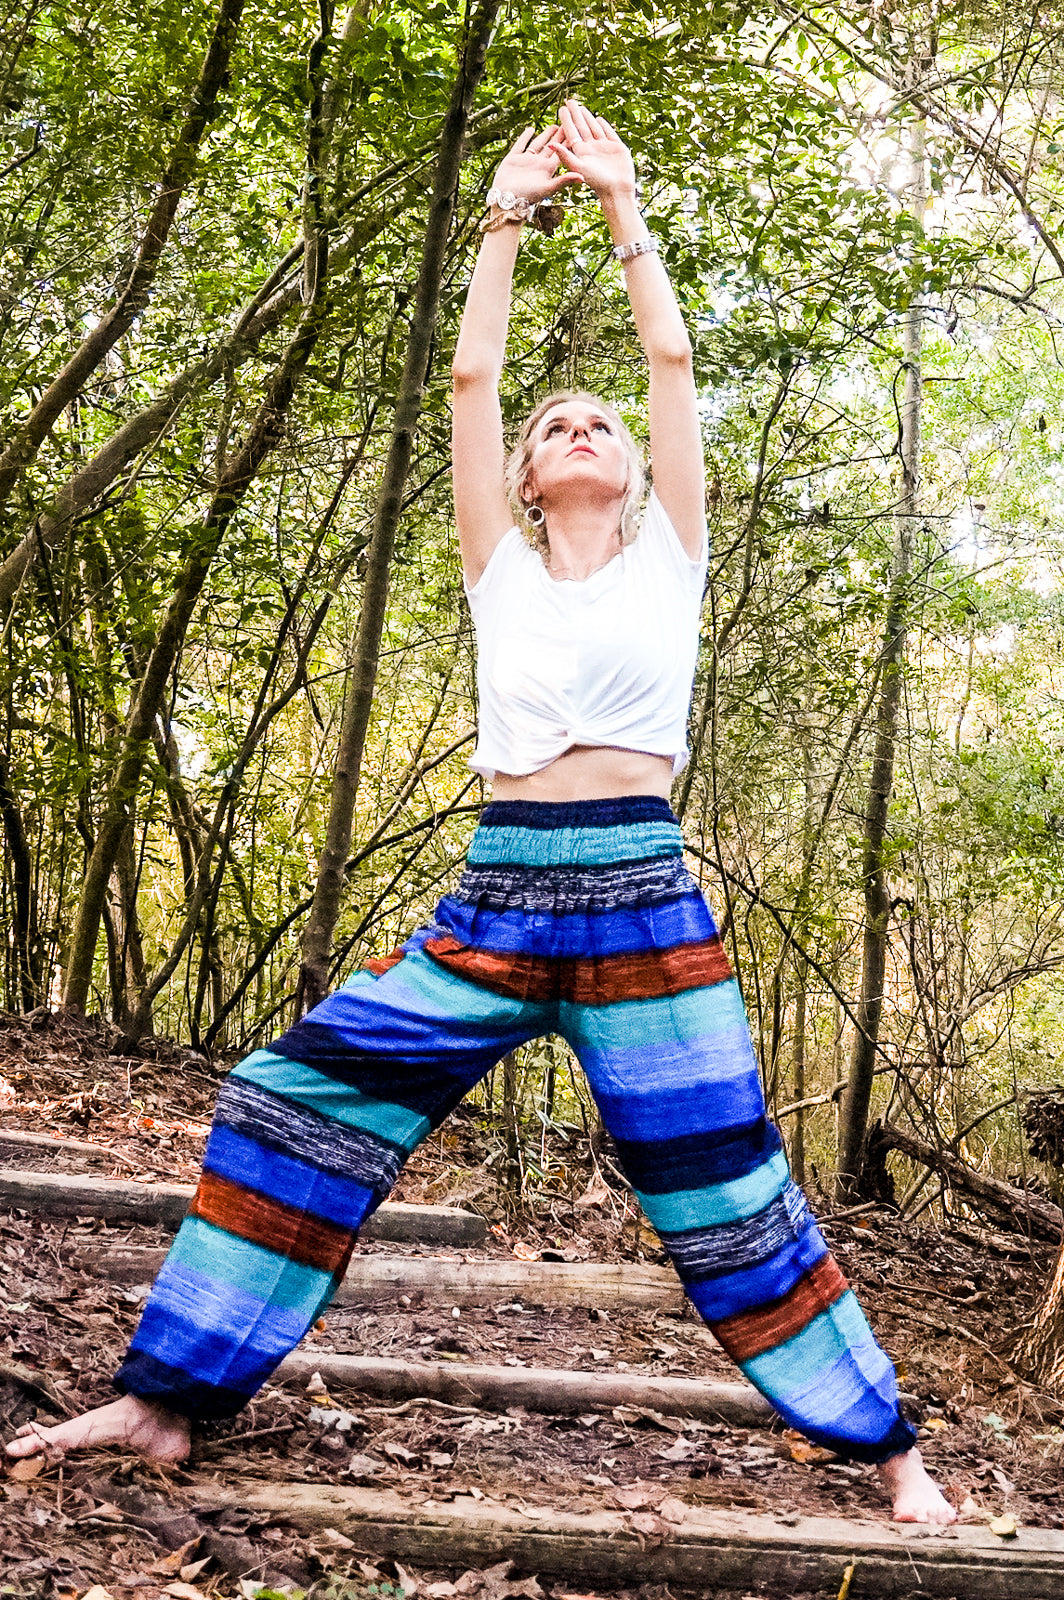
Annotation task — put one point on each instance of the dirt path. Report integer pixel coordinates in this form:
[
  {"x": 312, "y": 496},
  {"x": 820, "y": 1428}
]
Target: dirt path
[{"x": 939, "y": 1301}]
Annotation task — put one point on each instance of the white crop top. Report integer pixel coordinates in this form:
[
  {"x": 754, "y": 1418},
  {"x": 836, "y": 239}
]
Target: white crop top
[{"x": 608, "y": 660}]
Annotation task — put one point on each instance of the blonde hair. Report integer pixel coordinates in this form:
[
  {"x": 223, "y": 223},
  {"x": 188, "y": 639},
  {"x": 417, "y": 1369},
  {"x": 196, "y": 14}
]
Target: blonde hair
[{"x": 520, "y": 460}]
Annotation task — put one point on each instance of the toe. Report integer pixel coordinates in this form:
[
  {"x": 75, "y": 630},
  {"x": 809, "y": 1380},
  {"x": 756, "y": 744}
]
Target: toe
[{"x": 25, "y": 1443}]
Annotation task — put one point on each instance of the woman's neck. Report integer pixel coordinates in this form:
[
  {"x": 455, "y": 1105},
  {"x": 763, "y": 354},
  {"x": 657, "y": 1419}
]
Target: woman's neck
[{"x": 581, "y": 542}]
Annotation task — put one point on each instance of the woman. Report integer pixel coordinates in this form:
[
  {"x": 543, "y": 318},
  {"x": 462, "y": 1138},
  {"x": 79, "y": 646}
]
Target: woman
[{"x": 575, "y": 915}]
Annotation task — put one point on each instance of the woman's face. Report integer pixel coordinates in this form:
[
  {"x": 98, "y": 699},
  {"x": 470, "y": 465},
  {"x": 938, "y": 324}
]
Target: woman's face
[{"x": 576, "y": 444}]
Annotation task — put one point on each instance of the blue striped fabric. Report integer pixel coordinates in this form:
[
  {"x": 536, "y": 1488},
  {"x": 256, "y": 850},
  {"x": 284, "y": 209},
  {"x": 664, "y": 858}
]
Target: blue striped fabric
[{"x": 576, "y": 919}]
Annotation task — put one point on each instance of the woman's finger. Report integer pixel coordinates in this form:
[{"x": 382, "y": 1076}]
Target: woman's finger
[
  {"x": 582, "y": 119},
  {"x": 542, "y": 140},
  {"x": 570, "y": 126},
  {"x": 568, "y": 158},
  {"x": 561, "y": 181}
]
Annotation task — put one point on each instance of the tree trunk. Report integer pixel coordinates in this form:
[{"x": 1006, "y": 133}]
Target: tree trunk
[
  {"x": 797, "y": 1151},
  {"x": 853, "y": 1119},
  {"x": 513, "y": 1173},
  {"x": 362, "y": 675},
  {"x": 812, "y": 829},
  {"x": 128, "y": 972},
  {"x": 1028, "y": 1212},
  {"x": 1038, "y": 1349},
  {"x": 24, "y": 926}
]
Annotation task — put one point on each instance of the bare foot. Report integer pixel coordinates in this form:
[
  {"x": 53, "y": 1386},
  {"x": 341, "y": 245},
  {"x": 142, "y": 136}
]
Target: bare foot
[
  {"x": 157, "y": 1434},
  {"x": 917, "y": 1498}
]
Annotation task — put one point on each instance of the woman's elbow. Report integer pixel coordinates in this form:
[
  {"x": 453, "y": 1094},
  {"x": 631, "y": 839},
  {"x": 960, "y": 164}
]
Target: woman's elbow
[
  {"x": 469, "y": 372},
  {"x": 673, "y": 352}
]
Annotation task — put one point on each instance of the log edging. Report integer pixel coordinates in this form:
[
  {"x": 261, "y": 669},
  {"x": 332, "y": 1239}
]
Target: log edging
[
  {"x": 64, "y": 1194},
  {"x": 558, "y": 1391},
  {"x": 719, "y": 1549}
]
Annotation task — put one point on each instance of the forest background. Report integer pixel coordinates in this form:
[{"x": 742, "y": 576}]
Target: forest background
[{"x": 235, "y": 243}]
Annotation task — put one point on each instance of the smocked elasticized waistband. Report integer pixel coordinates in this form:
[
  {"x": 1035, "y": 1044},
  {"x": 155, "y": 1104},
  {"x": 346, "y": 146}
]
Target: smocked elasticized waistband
[{"x": 623, "y": 811}]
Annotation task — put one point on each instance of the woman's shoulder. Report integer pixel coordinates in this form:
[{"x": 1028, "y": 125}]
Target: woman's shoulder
[
  {"x": 657, "y": 539},
  {"x": 512, "y": 554}
]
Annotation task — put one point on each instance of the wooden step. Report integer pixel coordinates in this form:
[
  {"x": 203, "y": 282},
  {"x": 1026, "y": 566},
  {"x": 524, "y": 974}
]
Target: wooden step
[
  {"x": 432, "y": 1280},
  {"x": 545, "y": 1389},
  {"x": 716, "y": 1549},
  {"x": 58, "y": 1194}
]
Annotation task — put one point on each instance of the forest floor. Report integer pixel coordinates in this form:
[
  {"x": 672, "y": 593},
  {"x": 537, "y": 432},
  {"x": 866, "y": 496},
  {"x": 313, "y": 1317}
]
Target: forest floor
[{"x": 942, "y": 1301}]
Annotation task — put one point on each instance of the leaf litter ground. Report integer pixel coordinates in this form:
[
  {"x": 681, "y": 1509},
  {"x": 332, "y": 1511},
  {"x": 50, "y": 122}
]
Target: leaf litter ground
[{"x": 941, "y": 1301}]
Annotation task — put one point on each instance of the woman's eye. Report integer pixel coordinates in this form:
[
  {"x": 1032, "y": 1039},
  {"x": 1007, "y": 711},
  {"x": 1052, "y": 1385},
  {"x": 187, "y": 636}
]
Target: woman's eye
[
  {"x": 555, "y": 427},
  {"x": 604, "y": 426}
]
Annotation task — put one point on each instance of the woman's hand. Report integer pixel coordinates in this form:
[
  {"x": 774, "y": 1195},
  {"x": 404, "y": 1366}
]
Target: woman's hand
[
  {"x": 594, "y": 151},
  {"x": 530, "y": 168}
]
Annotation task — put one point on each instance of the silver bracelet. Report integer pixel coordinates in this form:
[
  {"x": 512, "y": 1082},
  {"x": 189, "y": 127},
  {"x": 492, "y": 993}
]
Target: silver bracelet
[{"x": 638, "y": 247}]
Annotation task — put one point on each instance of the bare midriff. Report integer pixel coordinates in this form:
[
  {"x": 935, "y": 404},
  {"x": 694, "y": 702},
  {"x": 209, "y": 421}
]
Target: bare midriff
[{"x": 589, "y": 772}]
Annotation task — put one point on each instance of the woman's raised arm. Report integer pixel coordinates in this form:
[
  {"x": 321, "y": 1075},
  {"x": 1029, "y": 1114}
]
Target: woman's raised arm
[
  {"x": 529, "y": 172},
  {"x": 590, "y": 147}
]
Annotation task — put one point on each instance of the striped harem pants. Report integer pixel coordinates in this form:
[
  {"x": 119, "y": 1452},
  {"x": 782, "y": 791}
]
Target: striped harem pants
[{"x": 578, "y": 919}]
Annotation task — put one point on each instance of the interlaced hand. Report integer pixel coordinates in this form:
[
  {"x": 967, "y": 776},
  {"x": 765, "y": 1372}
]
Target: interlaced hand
[{"x": 530, "y": 168}]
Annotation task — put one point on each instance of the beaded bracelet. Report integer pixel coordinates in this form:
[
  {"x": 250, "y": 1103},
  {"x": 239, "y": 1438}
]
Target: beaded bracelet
[{"x": 638, "y": 247}]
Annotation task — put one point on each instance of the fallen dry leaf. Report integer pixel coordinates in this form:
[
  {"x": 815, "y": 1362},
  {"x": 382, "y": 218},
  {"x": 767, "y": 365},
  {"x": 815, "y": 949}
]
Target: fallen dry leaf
[
  {"x": 101, "y": 1511},
  {"x": 680, "y": 1450},
  {"x": 399, "y": 1452},
  {"x": 631, "y": 1497},
  {"x": 596, "y": 1193},
  {"x": 27, "y": 1468},
  {"x": 338, "y": 1540},
  {"x": 97, "y": 1592},
  {"x": 1004, "y": 1527},
  {"x": 184, "y": 1591},
  {"x": 170, "y": 1566},
  {"x": 408, "y": 1585},
  {"x": 627, "y": 1415},
  {"x": 672, "y": 1509},
  {"x": 526, "y": 1252},
  {"x": 808, "y": 1455},
  {"x": 647, "y": 1528},
  {"x": 193, "y": 1569}
]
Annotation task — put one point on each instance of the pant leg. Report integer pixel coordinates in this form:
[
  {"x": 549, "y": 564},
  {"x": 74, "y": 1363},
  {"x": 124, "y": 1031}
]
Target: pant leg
[
  {"x": 669, "y": 1061},
  {"x": 308, "y": 1138}
]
